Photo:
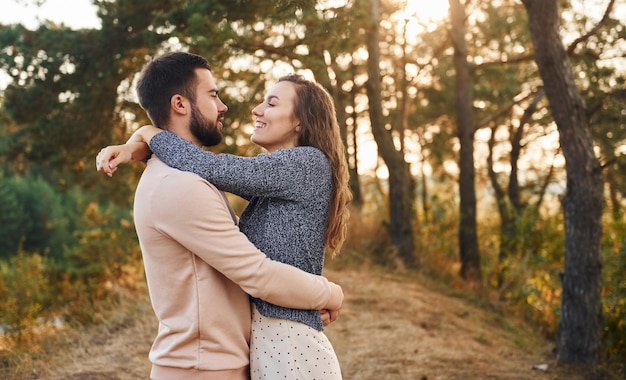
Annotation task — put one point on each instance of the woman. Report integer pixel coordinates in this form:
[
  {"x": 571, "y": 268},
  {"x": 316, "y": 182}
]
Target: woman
[{"x": 298, "y": 195}]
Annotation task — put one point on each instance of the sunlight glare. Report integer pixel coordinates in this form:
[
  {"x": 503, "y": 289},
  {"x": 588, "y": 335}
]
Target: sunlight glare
[{"x": 423, "y": 15}]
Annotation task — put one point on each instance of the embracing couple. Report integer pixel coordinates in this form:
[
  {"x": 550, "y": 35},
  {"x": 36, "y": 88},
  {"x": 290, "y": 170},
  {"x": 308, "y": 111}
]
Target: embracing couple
[{"x": 237, "y": 297}]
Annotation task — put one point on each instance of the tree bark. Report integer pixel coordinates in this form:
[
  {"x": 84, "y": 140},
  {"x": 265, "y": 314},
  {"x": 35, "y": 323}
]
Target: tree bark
[
  {"x": 468, "y": 240},
  {"x": 344, "y": 100},
  {"x": 580, "y": 325},
  {"x": 401, "y": 185}
]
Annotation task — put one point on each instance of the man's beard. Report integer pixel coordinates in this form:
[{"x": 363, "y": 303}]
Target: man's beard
[{"x": 203, "y": 129}]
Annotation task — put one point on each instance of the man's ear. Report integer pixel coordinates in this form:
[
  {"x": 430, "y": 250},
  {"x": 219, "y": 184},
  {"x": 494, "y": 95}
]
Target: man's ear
[{"x": 179, "y": 104}]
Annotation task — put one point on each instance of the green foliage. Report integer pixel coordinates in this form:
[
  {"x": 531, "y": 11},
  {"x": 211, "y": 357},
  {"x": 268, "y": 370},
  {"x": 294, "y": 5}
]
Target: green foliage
[
  {"x": 78, "y": 287},
  {"x": 24, "y": 295},
  {"x": 32, "y": 216},
  {"x": 529, "y": 277},
  {"x": 106, "y": 255},
  {"x": 614, "y": 295},
  {"x": 84, "y": 253}
]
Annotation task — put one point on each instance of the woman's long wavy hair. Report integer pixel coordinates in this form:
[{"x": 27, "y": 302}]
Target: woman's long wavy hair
[{"x": 315, "y": 109}]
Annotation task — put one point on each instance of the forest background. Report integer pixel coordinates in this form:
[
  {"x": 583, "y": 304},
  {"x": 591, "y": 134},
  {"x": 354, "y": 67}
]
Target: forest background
[{"x": 484, "y": 153}]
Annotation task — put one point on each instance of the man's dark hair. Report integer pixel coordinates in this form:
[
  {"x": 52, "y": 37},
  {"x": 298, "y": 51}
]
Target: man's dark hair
[{"x": 165, "y": 76}]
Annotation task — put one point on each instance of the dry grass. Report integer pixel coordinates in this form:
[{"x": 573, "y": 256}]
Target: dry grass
[{"x": 391, "y": 327}]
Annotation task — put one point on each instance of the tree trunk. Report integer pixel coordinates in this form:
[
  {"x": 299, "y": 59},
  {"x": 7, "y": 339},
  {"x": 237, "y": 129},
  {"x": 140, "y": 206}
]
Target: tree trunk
[
  {"x": 468, "y": 240},
  {"x": 507, "y": 215},
  {"x": 401, "y": 185},
  {"x": 353, "y": 167},
  {"x": 511, "y": 207},
  {"x": 348, "y": 136},
  {"x": 580, "y": 325},
  {"x": 317, "y": 64}
]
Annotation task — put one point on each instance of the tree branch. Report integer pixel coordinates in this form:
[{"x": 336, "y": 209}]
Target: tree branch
[
  {"x": 607, "y": 12},
  {"x": 485, "y": 122}
]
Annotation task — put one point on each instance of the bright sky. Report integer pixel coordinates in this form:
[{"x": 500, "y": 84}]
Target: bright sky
[{"x": 74, "y": 13}]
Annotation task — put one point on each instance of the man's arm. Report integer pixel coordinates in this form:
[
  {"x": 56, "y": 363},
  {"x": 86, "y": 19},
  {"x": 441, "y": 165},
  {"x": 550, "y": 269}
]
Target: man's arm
[{"x": 195, "y": 214}]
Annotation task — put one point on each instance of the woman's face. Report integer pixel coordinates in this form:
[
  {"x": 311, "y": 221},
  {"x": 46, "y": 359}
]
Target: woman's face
[{"x": 275, "y": 125}]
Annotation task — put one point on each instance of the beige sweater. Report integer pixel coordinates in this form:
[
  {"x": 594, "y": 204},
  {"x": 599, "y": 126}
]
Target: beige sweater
[{"x": 200, "y": 269}]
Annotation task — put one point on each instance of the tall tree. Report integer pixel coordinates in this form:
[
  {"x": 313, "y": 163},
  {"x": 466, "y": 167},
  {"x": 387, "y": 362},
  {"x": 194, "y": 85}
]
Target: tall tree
[
  {"x": 580, "y": 325},
  {"x": 401, "y": 186},
  {"x": 512, "y": 207},
  {"x": 468, "y": 239}
]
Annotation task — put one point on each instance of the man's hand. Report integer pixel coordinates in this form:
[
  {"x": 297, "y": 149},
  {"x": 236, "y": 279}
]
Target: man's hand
[
  {"x": 330, "y": 313},
  {"x": 329, "y": 316}
]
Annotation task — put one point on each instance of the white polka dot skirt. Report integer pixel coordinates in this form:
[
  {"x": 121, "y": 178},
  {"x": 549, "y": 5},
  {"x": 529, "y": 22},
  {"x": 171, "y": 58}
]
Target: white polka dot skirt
[{"x": 284, "y": 349}]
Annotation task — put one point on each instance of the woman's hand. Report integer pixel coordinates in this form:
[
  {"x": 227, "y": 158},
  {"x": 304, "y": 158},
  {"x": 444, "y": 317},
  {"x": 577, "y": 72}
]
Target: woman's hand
[
  {"x": 135, "y": 149},
  {"x": 112, "y": 156}
]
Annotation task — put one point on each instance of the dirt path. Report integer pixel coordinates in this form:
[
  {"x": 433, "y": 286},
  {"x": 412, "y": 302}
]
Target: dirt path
[
  {"x": 390, "y": 328},
  {"x": 393, "y": 329}
]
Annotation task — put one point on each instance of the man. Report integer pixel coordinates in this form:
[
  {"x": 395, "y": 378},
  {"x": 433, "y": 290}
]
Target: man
[{"x": 199, "y": 267}]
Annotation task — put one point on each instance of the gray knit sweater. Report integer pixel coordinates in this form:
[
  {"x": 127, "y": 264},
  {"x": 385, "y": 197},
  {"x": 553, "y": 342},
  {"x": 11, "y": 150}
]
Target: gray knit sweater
[{"x": 288, "y": 193}]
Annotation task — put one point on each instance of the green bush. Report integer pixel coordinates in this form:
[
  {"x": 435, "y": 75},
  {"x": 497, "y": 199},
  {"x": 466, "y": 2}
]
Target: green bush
[
  {"x": 85, "y": 252},
  {"x": 105, "y": 252},
  {"x": 32, "y": 216},
  {"x": 614, "y": 301},
  {"x": 24, "y": 295}
]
